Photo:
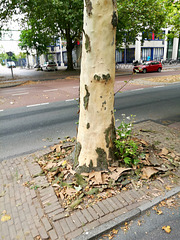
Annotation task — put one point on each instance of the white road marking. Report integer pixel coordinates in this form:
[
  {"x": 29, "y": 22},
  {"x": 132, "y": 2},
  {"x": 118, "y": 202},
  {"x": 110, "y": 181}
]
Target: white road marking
[
  {"x": 35, "y": 105},
  {"x": 158, "y": 86},
  {"x": 139, "y": 89},
  {"x": 19, "y": 94},
  {"x": 50, "y": 90},
  {"x": 1, "y": 110},
  {"x": 76, "y": 87},
  {"x": 69, "y": 100}
]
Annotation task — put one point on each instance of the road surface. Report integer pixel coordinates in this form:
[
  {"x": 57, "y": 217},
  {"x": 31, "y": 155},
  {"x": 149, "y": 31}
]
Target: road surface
[{"x": 32, "y": 127}]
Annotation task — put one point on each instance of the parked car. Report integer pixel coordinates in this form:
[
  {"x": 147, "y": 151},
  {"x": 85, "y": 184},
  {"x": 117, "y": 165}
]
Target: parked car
[
  {"x": 11, "y": 64},
  {"x": 150, "y": 66},
  {"x": 51, "y": 65}
]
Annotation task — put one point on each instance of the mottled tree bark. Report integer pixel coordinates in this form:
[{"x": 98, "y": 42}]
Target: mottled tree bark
[{"x": 96, "y": 132}]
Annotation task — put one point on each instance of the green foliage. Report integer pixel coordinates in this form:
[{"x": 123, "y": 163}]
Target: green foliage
[
  {"x": 137, "y": 16},
  {"x": 3, "y": 57},
  {"x": 65, "y": 17},
  {"x": 126, "y": 148}
]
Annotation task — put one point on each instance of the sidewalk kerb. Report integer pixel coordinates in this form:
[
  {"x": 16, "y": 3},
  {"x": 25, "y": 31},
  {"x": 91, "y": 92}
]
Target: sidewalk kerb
[{"x": 125, "y": 217}]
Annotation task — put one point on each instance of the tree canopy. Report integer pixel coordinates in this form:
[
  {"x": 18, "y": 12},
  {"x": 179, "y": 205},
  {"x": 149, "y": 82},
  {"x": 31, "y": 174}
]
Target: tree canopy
[{"x": 65, "y": 18}]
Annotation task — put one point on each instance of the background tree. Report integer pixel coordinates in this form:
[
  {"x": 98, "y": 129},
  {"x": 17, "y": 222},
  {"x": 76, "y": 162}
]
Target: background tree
[
  {"x": 137, "y": 16},
  {"x": 34, "y": 38},
  {"x": 174, "y": 17},
  {"x": 64, "y": 18}
]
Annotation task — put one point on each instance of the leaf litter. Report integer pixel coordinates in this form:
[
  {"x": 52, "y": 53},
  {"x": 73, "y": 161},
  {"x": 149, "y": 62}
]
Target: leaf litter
[{"x": 78, "y": 191}]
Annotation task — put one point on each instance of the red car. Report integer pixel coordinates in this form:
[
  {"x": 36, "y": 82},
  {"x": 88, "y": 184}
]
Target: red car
[{"x": 150, "y": 66}]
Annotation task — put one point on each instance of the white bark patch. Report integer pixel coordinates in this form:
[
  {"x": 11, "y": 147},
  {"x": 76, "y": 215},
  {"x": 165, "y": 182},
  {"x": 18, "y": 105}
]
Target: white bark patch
[{"x": 97, "y": 74}]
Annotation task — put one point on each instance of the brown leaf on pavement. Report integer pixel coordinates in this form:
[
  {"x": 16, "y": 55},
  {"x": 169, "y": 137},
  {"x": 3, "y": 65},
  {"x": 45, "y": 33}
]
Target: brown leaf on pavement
[
  {"x": 148, "y": 172},
  {"x": 50, "y": 165},
  {"x": 116, "y": 173},
  {"x": 5, "y": 218},
  {"x": 167, "y": 229},
  {"x": 163, "y": 152}
]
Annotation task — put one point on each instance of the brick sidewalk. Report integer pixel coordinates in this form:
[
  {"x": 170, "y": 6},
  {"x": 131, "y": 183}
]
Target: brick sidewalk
[{"x": 37, "y": 211}]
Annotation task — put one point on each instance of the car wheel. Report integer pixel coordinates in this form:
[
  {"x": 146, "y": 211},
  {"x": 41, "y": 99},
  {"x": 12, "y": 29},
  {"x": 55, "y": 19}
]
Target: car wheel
[
  {"x": 159, "y": 70},
  {"x": 144, "y": 70}
]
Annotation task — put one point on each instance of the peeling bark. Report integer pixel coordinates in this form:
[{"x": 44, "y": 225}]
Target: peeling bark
[{"x": 96, "y": 122}]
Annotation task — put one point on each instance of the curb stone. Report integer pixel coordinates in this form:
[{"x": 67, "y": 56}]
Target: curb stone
[{"x": 126, "y": 217}]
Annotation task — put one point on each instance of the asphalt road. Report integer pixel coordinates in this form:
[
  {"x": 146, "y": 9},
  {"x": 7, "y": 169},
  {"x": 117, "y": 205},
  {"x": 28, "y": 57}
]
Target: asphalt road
[
  {"x": 30, "y": 128},
  {"x": 149, "y": 227}
]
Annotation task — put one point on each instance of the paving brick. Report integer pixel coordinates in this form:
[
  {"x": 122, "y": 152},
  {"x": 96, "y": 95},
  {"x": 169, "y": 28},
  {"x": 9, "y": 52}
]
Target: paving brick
[
  {"x": 74, "y": 234},
  {"x": 25, "y": 227},
  {"x": 112, "y": 203},
  {"x": 56, "y": 212},
  {"x": 120, "y": 211},
  {"x": 70, "y": 223},
  {"x": 33, "y": 210},
  {"x": 97, "y": 209},
  {"x": 81, "y": 217},
  {"x": 134, "y": 194},
  {"x": 117, "y": 202},
  {"x": 122, "y": 200},
  {"x": 34, "y": 231},
  {"x": 107, "y": 218},
  {"x": 108, "y": 205},
  {"x": 40, "y": 212},
  {"x": 42, "y": 233},
  {"x": 20, "y": 235},
  {"x": 59, "y": 216},
  {"x": 142, "y": 194},
  {"x": 134, "y": 205},
  {"x": 52, "y": 207},
  {"x": 47, "y": 196},
  {"x": 64, "y": 226},
  {"x": 91, "y": 225},
  {"x": 103, "y": 207},
  {"x": 126, "y": 197},
  {"x": 33, "y": 193},
  {"x": 46, "y": 223},
  {"x": 93, "y": 213},
  {"x": 46, "y": 191},
  {"x": 87, "y": 215},
  {"x": 53, "y": 235},
  {"x": 129, "y": 196},
  {"x": 76, "y": 221},
  {"x": 58, "y": 229},
  {"x": 49, "y": 201}
]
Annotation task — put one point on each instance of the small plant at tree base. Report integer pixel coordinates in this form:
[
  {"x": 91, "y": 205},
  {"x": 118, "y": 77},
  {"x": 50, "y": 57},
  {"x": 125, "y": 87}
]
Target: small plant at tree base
[{"x": 126, "y": 148}]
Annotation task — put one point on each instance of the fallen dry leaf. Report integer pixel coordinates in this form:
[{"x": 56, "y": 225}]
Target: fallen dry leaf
[
  {"x": 50, "y": 165},
  {"x": 167, "y": 229},
  {"x": 116, "y": 173},
  {"x": 5, "y": 218},
  {"x": 148, "y": 172},
  {"x": 70, "y": 191},
  {"x": 163, "y": 152}
]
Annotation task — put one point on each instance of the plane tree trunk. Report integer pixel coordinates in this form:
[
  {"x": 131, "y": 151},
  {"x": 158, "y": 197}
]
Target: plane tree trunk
[{"x": 96, "y": 132}]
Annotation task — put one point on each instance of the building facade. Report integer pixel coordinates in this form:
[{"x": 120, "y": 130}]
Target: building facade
[{"x": 150, "y": 47}]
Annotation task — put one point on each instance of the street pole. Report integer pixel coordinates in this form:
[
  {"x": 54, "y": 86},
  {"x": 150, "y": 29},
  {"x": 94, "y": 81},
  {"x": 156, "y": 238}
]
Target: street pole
[
  {"x": 62, "y": 63},
  {"x": 12, "y": 72}
]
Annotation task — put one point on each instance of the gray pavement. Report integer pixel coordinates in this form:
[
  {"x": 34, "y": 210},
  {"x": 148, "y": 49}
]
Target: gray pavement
[{"x": 33, "y": 211}]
